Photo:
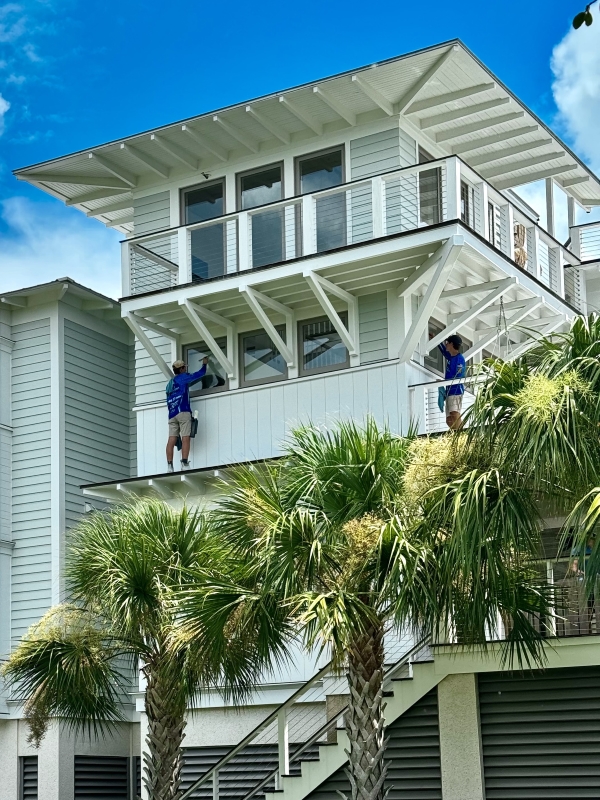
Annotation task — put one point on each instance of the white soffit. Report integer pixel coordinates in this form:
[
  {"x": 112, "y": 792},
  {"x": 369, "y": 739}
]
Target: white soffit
[{"x": 444, "y": 91}]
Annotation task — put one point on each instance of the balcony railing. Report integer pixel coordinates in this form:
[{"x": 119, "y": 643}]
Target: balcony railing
[
  {"x": 387, "y": 204},
  {"x": 585, "y": 241}
]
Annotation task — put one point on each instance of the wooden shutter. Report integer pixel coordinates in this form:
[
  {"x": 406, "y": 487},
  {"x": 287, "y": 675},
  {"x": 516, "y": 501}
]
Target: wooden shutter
[
  {"x": 29, "y": 778},
  {"x": 101, "y": 778}
]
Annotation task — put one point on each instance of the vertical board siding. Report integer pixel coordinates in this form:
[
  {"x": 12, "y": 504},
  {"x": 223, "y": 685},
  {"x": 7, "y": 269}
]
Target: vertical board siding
[
  {"x": 412, "y": 754},
  {"x": 31, "y": 523},
  {"x": 374, "y": 154},
  {"x": 239, "y": 425},
  {"x": 97, "y": 412},
  {"x": 373, "y": 327},
  {"x": 151, "y": 213},
  {"x": 150, "y": 383},
  {"x": 540, "y": 733}
]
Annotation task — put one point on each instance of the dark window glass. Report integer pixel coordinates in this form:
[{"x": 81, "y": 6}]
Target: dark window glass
[
  {"x": 465, "y": 205},
  {"x": 322, "y": 346},
  {"x": 260, "y": 188},
  {"x": 435, "y": 360},
  {"x": 430, "y": 196},
  {"x": 424, "y": 156},
  {"x": 262, "y": 361},
  {"x": 325, "y": 171},
  {"x": 205, "y": 202},
  {"x": 215, "y": 379},
  {"x": 207, "y": 243}
]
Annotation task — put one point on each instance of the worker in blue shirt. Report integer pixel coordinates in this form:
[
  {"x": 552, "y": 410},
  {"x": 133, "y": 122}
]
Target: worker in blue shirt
[
  {"x": 180, "y": 411},
  {"x": 456, "y": 368}
]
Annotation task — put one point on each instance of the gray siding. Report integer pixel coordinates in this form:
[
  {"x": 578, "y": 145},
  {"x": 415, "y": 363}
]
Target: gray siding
[
  {"x": 151, "y": 213},
  {"x": 149, "y": 381},
  {"x": 408, "y": 149},
  {"x": 97, "y": 412},
  {"x": 373, "y": 327},
  {"x": 31, "y": 591},
  {"x": 374, "y": 154}
]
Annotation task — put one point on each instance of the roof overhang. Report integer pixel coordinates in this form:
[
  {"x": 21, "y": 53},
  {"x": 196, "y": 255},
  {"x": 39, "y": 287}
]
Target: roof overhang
[
  {"x": 443, "y": 93},
  {"x": 53, "y": 291}
]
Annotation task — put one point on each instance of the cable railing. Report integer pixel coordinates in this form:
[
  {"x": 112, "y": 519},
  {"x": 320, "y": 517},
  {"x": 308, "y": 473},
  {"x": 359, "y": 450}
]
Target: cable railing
[
  {"x": 293, "y": 732},
  {"x": 387, "y": 204}
]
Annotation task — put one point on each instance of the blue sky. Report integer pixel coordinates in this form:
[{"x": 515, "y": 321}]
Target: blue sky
[{"x": 73, "y": 75}]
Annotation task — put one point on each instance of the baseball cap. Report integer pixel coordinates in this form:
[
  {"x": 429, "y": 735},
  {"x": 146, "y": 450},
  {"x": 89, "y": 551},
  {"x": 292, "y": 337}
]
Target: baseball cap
[{"x": 178, "y": 363}]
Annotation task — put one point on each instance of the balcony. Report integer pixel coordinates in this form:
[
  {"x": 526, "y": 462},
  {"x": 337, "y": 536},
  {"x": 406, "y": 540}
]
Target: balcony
[{"x": 346, "y": 216}]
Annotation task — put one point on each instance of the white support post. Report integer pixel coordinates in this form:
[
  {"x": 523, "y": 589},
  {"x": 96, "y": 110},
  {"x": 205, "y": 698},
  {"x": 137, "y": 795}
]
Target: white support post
[
  {"x": 309, "y": 225},
  {"x": 560, "y": 268},
  {"x": 349, "y": 335},
  {"x": 452, "y": 188},
  {"x": 283, "y": 746},
  {"x": 485, "y": 220},
  {"x": 570, "y": 211},
  {"x": 377, "y": 206},
  {"x": 125, "y": 270},
  {"x": 148, "y": 346},
  {"x": 550, "y": 206},
  {"x": 575, "y": 234},
  {"x": 244, "y": 222},
  {"x": 535, "y": 252},
  {"x": 193, "y": 313},
  {"x": 509, "y": 216},
  {"x": 182, "y": 256}
]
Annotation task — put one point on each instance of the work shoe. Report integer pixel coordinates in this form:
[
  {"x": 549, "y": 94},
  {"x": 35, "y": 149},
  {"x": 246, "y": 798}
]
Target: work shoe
[
  {"x": 170, "y": 467},
  {"x": 185, "y": 465}
]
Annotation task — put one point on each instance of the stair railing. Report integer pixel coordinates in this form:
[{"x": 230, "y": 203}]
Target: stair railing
[{"x": 280, "y": 716}]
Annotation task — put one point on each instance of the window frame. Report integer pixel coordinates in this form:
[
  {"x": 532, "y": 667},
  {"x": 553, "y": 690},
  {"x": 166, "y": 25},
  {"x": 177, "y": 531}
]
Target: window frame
[
  {"x": 315, "y": 154},
  {"x": 305, "y": 373},
  {"x": 185, "y": 189},
  {"x": 214, "y": 389},
  {"x": 243, "y": 383},
  {"x": 254, "y": 171}
]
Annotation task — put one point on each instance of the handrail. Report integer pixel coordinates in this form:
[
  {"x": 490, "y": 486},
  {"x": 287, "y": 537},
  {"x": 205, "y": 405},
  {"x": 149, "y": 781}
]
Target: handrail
[{"x": 275, "y": 714}]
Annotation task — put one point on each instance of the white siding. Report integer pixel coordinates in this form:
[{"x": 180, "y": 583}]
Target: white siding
[
  {"x": 373, "y": 327},
  {"x": 252, "y": 423},
  {"x": 31, "y": 567},
  {"x": 151, "y": 213},
  {"x": 97, "y": 412}
]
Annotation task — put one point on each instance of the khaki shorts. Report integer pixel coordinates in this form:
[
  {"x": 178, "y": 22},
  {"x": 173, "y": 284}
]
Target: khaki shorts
[
  {"x": 181, "y": 425},
  {"x": 453, "y": 403}
]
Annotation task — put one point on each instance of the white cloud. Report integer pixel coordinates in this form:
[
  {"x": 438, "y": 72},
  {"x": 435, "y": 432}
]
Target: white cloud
[
  {"x": 576, "y": 88},
  {"x": 4, "y": 106},
  {"x": 44, "y": 242}
]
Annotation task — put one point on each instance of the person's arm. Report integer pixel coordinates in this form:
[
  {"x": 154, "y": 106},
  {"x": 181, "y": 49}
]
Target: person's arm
[
  {"x": 444, "y": 352},
  {"x": 192, "y": 377}
]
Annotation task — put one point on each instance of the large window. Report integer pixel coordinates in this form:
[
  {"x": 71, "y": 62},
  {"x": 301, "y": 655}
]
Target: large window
[
  {"x": 430, "y": 196},
  {"x": 200, "y": 204},
  {"x": 261, "y": 361},
  {"x": 324, "y": 171},
  {"x": 321, "y": 347},
  {"x": 215, "y": 379},
  {"x": 257, "y": 188}
]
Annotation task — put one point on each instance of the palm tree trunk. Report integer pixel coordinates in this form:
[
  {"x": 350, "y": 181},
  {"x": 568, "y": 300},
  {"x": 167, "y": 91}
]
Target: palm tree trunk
[
  {"x": 165, "y": 710},
  {"x": 364, "y": 721}
]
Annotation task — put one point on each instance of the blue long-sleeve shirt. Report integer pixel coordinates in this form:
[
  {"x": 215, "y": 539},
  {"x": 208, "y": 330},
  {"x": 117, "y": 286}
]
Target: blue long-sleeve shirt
[
  {"x": 456, "y": 367},
  {"x": 178, "y": 391}
]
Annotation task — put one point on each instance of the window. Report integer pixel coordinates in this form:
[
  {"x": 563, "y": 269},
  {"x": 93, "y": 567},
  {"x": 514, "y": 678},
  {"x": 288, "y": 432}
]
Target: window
[
  {"x": 261, "y": 360},
  {"x": 324, "y": 171},
  {"x": 434, "y": 360},
  {"x": 200, "y": 204},
  {"x": 466, "y": 194},
  {"x": 430, "y": 196},
  {"x": 215, "y": 379},
  {"x": 321, "y": 347},
  {"x": 257, "y": 188},
  {"x": 424, "y": 156}
]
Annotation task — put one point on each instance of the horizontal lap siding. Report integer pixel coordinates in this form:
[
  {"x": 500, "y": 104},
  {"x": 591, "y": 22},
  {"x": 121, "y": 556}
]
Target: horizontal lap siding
[
  {"x": 373, "y": 327},
  {"x": 150, "y": 382},
  {"x": 374, "y": 154},
  {"x": 97, "y": 412},
  {"x": 31, "y": 561},
  {"x": 541, "y": 734},
  {"x": 151, "y": 213}
]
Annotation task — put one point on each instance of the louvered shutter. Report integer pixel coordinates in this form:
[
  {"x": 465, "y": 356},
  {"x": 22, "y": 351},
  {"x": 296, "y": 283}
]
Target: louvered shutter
[
  {"x": 541, "y": 734},
  {"x": 29, "y": 778},
  {"x": 101, "y": 778}
]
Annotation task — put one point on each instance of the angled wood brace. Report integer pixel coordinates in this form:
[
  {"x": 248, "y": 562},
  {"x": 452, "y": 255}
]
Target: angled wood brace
[
  {"x": 349, "y": 335},
  {"x": 195, "y": 313},
  {"x": 531, "y": 306},
  {"x": 136, "y": 323},
  {"x": 256, "y": 300}
]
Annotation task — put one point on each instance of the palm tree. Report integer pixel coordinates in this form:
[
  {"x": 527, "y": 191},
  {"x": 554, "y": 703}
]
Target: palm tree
[
  {"x": 356, "y": 530},
  {"x": 124, "y": 572}
]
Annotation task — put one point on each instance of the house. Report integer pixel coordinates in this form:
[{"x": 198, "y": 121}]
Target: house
[{"x": 317, "y": 244}]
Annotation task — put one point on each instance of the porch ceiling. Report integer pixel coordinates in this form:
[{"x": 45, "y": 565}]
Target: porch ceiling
[{"x": 444, "y": 91}]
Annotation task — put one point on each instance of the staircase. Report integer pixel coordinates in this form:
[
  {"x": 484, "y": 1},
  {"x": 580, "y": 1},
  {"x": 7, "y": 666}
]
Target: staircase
[{"x": 288, "y": 756}]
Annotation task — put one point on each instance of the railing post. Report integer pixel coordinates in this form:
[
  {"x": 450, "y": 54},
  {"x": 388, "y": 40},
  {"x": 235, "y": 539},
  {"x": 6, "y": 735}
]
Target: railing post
[
  {"x": 453, "y": 188},
  {"x": 125, "y": 269},
  {"x": 482, "y": 196},
  {"x": 377, "y": 206},
  {"x": 244, "y": 222},
  {"x": 215, "y": 785},
  {"x": 182, "y": 256},
  {"x": 535, "y": 251},
  {"x": 309, "y": 232},
  {"x": 575, "y": 234},
  {"x": 550, "y": 579},
  {"x": 283, "y": 746},
  {"x": 509, "y": 221}
]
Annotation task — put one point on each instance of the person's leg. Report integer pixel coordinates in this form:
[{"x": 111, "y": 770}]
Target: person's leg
[
  {"x": 185, "y": 447},
  {"x": 454, "y": 420},
  {"x": 185, "y": 429},
  {"x": 453, "y": 409},
  {"x": 171, "y": 442}
]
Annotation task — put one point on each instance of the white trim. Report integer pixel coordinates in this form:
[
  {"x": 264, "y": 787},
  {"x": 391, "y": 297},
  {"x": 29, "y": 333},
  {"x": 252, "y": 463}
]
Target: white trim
[
  {"x": 256, "y": 300},
  {"x": 148, "y": 346},
  {"x": 193, "y": 312},
  {"x": 57, "y": 453},
  {"x": 349, "y": 335}
]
